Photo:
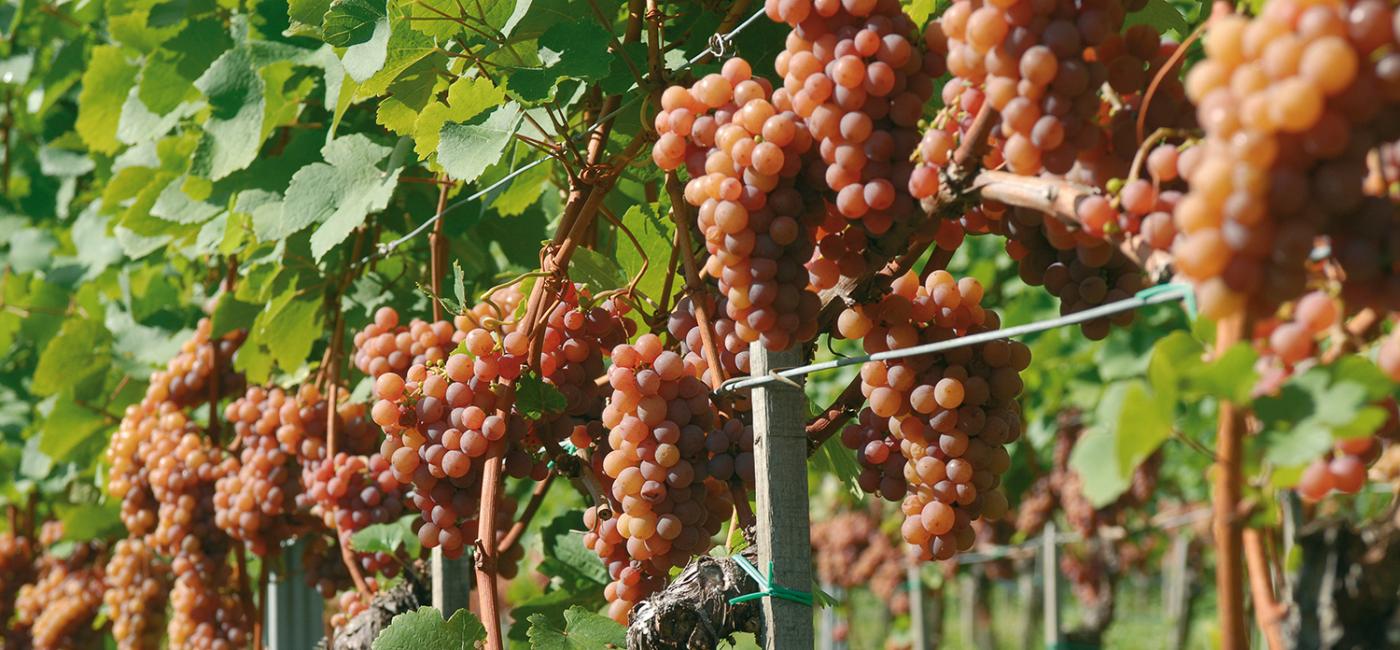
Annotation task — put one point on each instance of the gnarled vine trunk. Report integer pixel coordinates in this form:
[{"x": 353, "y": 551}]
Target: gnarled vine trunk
[
  {"x": 693, "y": 612},
  {"x": 1346, "y": 593}
]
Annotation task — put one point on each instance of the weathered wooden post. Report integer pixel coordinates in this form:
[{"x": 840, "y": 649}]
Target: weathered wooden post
[
  {"x": 452, "y": 582},
  {"x": 780, "y": 477},
  {"x": 293, "y": 608},
  {"x": 918, "y": 606},
  {"x": 1049, "y": 567}
]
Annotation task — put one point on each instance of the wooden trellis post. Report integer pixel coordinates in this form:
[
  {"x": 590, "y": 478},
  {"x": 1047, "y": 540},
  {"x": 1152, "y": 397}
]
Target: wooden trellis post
[
  {"x": 293, "y": 608},
  {"x": 918, "y": 606},
  {"x": 1050, "y": 570},
  {"x": 452, "y": 582},
  {"x": 780, "y": 470}
]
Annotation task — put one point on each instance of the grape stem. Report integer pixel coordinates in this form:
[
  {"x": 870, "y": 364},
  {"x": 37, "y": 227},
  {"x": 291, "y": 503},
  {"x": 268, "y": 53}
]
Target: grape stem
[
  {"x": 1059, "y": 198},
  {"x": 1226, "y": 496},
  {"x": 1268, "y": 612},
  {"x": 1351, "y": 335},
  {"x": 518, "y": 528},
  {"x": 680, "y": 213}
]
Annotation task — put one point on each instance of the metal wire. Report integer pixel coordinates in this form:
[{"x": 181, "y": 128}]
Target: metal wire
[
  {"x": 1153, "y": 296},
  {"x": 719, "y": 44}
]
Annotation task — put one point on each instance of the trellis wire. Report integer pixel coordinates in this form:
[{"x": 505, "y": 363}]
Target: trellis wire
[
  {"x": 1154, "y": 296},
  {"x": 718, "y": 46},
  {"x": 992, "y": 553}
]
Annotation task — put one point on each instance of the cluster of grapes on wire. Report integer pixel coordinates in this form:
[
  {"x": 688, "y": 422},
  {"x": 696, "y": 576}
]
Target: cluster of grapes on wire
[{"x": 948, "y": 415}]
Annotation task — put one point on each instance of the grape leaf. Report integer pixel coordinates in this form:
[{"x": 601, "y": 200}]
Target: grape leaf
[
  {"x": 1315, "y": 409},
  {"x": 338, "y": 194},
  {"x": 1095, "y": 459},
  {"x": 91, "y": 521},
  {"x": 105, "y": 85},
  {"x": 565, "y": 556},
  {"x": 655, "y": 236},
  {"x": 1162, "y": 16},
  {"x": 68, "y": 427},
  {"x": 364, "y": 60},
  {"x": 388, "y": 537},
  {"x": 535, "y": 398},
  {"x": 232, "y": 133},
  {"x": 425, "y": 629},
  {"x": 466, "y": 150},
  {"x": 79, "y": 350},
  {"x": 351, "y": 22},
  {"x": 466, "y": 98},
  {"x": 590, "y": 267},
  {"x": 307, "y": 16},
  {"x": 583, "y": 630}
]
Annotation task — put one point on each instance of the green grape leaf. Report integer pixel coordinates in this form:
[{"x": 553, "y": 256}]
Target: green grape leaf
[
  {"x": 388, "y": 537},
  {"x": 575, "y": 49},
  {"x": 535, "y": 398},
  {"x": 232, "y": 135},
  {"x": 1142, "y": 422},
  {"x": 466, "y": 150},
  {"x": 92, "y": 521},
  {"x": 920, "y": 10},
  {"x": 565, "y": 556},
  {"x": 351, "y": 22},
  {"x": 233, "y": 314},
  {"x": 655, "y": 236},
  {"x": 582, "y": 630},
  {"x": 307, "y": 16},
  {"x": 70, "y": 427},
  {"x": 592, "y": 268},
  {"x": 1160, "y": 15},
  {"x": 466, "y": 99},
  {"x": 292, "y": 330},
  {"x": 338, "y": 193},
  {"x": 405, "y": 48},
  {"x": 1315, "y": 409},
  {"x": 96, "y": 249},
  {"x": 522, "y": 192},
  {"x": 79, "y": 350},
  {"x": 105, "y": 84},
  {"x": 1095, "y": 459},
  {"x": 362, "y": 61},
  {"x": 425, "y": 629}
]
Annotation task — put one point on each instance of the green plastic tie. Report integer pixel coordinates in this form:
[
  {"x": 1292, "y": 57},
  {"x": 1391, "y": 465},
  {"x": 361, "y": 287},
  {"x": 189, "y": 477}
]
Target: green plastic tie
[
  {"x": 776, "y": 591},
  {"x": 1188, "y": 294},
  {"x": 567, "y": 447}
]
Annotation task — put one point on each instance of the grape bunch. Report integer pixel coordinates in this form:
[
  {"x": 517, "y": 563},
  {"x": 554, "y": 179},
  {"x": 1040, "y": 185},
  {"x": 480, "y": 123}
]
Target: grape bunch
[
  {"x": 206, "y": 613},
  {"x": 854, "y": 73},
  {"x": 444, "y": 418},
  {"x": 1293, "y": 103},
  {"x": 656, "y": 466},
  {"x": 1343, "y": 469},
  {"x": 1080, "y": 269},
  {"x": 1032, "y": 62},
  {"x": 351, "y": 492},
  {"x": 137, "y": 590},
  {"x": 750, "y": 212},
  {"x": 877, "y": 451},
  {"x": 187, "y": 377},
  {"x": 952, "y": 412},
  {"x": 274, "y": 431},
  {"x": 58, "y": 610},
  {"x": 1285, "y": 343},
  {"x": 733, "y": 351},
  {"x": 16, "y": 569},
  {"x": 166, "y": 471},
  {"x": 851, "y": 551}
]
